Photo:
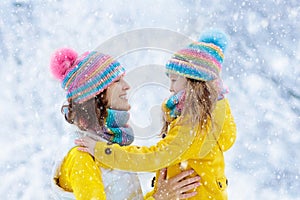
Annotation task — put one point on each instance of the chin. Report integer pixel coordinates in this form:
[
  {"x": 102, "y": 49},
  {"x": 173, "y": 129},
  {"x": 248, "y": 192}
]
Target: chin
[{"x": 127, "y": 108}]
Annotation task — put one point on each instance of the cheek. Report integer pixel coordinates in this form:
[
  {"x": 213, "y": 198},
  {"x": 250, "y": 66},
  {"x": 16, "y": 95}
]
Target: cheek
[
  {"x": 112, "y": 102},
  {"x": 178, "y": 87},
  {"x": 182, "y": 84}
]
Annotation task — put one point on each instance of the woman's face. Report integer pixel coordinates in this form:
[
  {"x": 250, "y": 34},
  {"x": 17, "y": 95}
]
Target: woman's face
[
  {"x": 116, "y": 95},
  {"x": 177, "y": 83}
]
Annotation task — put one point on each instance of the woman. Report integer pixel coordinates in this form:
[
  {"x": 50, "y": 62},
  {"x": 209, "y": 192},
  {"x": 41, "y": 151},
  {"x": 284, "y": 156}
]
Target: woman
[
  {"x": 199, "y": 126},
  {"x": 98, "y": 106}
]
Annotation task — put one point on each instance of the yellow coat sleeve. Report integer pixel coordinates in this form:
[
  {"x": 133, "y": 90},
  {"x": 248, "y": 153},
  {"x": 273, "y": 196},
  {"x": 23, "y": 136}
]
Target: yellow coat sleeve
[
  {"x": 135, "y": 158},
  {"x": 80, "y": 174},
  {"x": 172, "y": 149}
]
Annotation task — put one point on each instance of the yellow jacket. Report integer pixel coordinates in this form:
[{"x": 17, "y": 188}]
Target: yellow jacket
[
  {"x": 181, "y": 148},
  {"x": 81, "y": 175}
]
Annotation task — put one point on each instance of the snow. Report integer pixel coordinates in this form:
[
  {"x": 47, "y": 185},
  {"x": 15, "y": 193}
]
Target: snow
[{"x": 261, "y": 69}]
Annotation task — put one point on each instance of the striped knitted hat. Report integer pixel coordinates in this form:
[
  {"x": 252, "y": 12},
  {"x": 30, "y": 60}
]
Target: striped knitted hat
[
  {"x": 201, "y": 60},
  {"x": 85, "y": 76}
]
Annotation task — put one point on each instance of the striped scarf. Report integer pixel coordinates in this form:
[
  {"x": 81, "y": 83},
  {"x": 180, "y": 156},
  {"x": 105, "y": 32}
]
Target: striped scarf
[
  {"x": 116, "y": 129},
  {"x": 173, "y": 106}
]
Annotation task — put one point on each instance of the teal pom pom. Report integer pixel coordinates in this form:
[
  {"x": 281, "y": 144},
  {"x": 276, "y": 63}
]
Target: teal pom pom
[{"x": 216, "y": 37}]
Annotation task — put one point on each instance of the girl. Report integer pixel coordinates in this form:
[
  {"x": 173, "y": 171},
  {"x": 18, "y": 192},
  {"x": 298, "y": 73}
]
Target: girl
[
  {"x": 98, "y": 106},
  {"x": 199, "y": 126}
]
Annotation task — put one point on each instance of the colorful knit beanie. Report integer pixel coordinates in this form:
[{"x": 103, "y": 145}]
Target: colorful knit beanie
[
  {"x": 85, "y": 76},
  {"x": 201, "y": 60}
]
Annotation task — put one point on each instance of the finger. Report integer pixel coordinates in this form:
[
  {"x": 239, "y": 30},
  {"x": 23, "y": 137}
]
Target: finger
[
  {"x": 182, "y": 175},
  {"x": 162, "y": 174},
  {"x": 187, "y": 182},
  {"x": 187, "y": 195},
  {"x": 189, "y": 187},
  {"x": 79, "y": 142},
  {"x": 83, "y": 149}
]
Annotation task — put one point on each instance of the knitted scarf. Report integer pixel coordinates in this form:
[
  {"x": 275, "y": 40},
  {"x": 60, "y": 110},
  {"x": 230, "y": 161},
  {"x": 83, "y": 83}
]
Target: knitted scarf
[
  {"x": 116, "y": 129},
  {"x": 173, "y": 106}
]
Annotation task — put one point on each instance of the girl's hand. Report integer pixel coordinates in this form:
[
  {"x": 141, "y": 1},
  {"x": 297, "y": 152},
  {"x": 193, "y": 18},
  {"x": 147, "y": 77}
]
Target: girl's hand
[
  {"x": 177, "y": 187},
  {"x": 86, "y": 144}
]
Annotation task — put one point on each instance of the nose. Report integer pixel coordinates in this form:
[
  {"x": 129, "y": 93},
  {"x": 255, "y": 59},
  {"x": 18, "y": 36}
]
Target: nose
[
  {"x": 126, "y": 86},
  {"x": 171, "y": 88}
]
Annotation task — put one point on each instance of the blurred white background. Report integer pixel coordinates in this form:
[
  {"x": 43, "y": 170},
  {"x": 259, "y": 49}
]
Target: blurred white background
[{"x": 261, "y": 69}]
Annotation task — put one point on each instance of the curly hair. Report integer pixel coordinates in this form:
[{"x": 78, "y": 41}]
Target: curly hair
[{"x": 86, "y": 115}]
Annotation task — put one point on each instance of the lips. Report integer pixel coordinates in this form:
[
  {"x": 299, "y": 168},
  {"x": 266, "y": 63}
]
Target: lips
[{"x": 124, "y": 96}]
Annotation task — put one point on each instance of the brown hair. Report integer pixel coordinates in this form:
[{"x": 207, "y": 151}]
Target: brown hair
[
  {"x": 200, "y": 101},
  {"x": 86, "y": 115}
]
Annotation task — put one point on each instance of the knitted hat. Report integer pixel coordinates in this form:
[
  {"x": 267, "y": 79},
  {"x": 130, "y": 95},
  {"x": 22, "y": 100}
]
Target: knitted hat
[
  {"x": 85, "y": 76},
  {"x": 201, "y": 60}
]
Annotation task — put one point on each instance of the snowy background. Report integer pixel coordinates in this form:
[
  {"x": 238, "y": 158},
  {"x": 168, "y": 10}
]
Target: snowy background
[{"x": 261, "y": 69}]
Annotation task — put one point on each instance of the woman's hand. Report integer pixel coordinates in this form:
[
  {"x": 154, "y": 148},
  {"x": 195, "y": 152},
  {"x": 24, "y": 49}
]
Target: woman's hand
[
  {"x": 176, "y": 187},
  {"x": 86, "y": 144}
]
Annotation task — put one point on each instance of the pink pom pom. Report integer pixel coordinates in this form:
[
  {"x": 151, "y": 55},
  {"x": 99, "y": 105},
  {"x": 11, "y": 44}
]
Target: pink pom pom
[{"x": 62, "y": 61}]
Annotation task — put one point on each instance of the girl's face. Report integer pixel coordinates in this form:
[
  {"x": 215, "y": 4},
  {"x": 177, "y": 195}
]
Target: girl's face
[
  {"x": 177, "y": 83},
  {"x": 116, "y": 95}
]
